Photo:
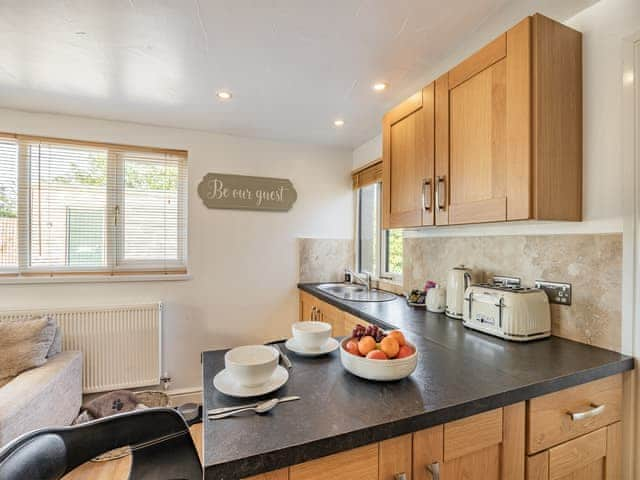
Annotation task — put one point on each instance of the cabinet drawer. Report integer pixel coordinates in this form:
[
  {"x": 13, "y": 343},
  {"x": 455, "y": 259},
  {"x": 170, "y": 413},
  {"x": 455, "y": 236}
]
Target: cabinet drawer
[
  {"x": 357, "y": 464},
  {"x": 550, "y": 420}
]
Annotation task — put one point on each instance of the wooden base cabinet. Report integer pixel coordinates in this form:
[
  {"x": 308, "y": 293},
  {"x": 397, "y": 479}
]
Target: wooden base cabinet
[
  {"x": 594, "y": 456},
  {"x": 526, "y": 440},
  {"x": 312, "y": 308},
  {"x": 350, "y": 321},
  {"x": 576, "y": 434},
  {"x": 487, "y": 446},
  {"x": 282, "y": 474}
]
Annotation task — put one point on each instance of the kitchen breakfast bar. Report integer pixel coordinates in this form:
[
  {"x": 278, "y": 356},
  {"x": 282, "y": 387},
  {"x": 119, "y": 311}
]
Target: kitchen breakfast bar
[{"x": 461, "y": 374}]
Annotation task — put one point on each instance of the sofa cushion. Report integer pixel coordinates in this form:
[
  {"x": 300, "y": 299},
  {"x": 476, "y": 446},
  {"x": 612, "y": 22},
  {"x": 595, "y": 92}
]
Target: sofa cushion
[
  {"x": 56, "y": 345},
  {"x": 46, "y": 396},
  {"x": 24, "y": 344}
]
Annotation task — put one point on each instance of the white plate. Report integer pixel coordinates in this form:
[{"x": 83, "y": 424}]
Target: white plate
[
  {"x": 223, "y": 382},
  {"x": 329, "y": 346}
]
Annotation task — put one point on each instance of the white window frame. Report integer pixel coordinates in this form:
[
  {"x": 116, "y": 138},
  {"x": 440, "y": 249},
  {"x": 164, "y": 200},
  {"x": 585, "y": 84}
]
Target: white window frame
[
  {"x": 121, "y": 264},
  {"x": 381, "y": 273},
  {"x": 116, "y": 265}
]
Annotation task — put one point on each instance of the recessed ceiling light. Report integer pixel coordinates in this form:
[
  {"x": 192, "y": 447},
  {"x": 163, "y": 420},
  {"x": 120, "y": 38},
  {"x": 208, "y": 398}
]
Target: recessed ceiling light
[
  {"x": 224, "y": 95},
  {"x": 339, "y": 122},
  {"x": 380, "y": 86}
]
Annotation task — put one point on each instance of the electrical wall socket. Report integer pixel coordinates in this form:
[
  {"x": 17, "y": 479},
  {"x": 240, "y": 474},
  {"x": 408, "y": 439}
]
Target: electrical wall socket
[{"x": 559, "y": 293}]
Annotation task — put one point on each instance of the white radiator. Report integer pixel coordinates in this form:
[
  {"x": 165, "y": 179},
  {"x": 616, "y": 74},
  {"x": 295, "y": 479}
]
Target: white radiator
[{"x": 121, "y": 345}]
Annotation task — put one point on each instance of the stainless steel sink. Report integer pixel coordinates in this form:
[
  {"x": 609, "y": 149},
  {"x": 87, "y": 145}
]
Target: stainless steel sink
[{"x": 355, "y": 293}]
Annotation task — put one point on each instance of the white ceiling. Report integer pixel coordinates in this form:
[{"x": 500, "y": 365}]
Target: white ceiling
[{"x": 293, "y": 65}]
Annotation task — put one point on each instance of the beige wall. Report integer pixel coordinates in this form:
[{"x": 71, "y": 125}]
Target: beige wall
[
  {"x": 243, "y": 265},
  {"x": 324, "y": 260},
  {"x": 591, "y": 263}
]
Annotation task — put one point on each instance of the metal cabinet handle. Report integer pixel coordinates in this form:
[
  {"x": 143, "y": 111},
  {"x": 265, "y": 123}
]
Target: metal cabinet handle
[
  {"x": 400, "y": 476},
  {"x": 426, "y": 194},
  {"x": 434, "y": 470},
  {"x": 441, "y": 192},
  {"x": 592, "y": 412}
]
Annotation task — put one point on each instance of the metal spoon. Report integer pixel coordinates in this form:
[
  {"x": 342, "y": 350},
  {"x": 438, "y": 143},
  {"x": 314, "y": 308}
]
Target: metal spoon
[{"x": 263, "y": 407}]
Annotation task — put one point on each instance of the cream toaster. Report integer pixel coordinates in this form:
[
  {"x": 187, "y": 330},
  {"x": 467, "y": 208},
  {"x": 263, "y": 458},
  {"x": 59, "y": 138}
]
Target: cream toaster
[{"x": 510, "y": 312}]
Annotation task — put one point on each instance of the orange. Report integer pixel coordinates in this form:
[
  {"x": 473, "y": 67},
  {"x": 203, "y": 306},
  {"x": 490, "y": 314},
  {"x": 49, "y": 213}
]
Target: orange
[
  {"x": 352, "y": 347},
  {"x": 390, "y": 346},
  {"x": 399, "y": 336},
  {"x": 366, "y": 344},
  {"x": 377, "y": 355},
  {"x": 405, "y": 351}
]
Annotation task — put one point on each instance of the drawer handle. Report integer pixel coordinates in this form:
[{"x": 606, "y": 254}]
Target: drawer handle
[
  {"x": 592, "y": 412},
  {"x": 400, "y": 476},
  {"x": 434, "y": 470}
]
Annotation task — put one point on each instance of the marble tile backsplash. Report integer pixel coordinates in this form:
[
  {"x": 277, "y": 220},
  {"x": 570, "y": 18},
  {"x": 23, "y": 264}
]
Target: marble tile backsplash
[
  {"x": 324, "y": 259},
  {"x": 592, "y": 263}
]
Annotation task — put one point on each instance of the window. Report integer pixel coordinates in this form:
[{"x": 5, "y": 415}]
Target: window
[
  {"x": 378, "y": 251},
  {"x": 369, "y": 228},
  {"x": 79, "y": 207}
]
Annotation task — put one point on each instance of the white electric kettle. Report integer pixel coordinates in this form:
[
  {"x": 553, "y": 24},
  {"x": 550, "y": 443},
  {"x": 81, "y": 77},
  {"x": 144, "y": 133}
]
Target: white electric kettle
[{"x": 458, "y": 280}]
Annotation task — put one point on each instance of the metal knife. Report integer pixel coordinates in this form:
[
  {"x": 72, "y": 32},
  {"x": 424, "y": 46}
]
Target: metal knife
[{"x": 217, "y": 411}]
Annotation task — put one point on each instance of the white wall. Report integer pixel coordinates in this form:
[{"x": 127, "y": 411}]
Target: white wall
[
  {"x": 367, "y": 152},
  {"x": 604, "y": 25},
  {"x": 244, "y": 265}
]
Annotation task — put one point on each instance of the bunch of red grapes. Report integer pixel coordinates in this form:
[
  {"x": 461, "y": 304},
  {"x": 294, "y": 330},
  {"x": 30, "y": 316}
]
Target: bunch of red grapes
[{"x": 360, "y": 331}]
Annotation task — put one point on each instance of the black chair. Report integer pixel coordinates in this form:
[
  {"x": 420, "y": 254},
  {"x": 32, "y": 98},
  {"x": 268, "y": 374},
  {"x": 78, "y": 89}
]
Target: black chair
[{"x": 160, "y": 441}]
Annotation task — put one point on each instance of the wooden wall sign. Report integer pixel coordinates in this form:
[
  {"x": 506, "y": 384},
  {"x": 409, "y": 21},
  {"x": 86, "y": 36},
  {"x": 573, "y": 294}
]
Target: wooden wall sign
[{"x": 242, "y": 192}]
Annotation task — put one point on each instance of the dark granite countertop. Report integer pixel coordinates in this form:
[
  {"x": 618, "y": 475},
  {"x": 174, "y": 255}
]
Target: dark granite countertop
[{"x": 461, "y": 372}]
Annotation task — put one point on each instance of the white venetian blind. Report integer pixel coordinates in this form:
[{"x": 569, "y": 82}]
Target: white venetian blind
[
  {"x": 8, "y": 204},
  {"x": 90, "y": 207}
]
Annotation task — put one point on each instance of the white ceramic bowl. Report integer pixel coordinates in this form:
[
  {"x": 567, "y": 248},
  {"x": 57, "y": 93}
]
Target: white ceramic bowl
[
  {"x": 251, "y": 365},
  {"x": 311, "y": 335},
  {"x": 380, "y": 370}
]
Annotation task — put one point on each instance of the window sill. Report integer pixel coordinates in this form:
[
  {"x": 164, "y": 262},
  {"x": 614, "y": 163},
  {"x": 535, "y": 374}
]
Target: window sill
[
  {"x": 389, "y": 285},
  {"x": 21, "y": 280}
]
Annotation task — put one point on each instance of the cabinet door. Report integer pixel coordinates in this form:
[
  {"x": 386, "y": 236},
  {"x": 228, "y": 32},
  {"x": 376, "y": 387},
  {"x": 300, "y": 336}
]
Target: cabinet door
[
  {"x": 407, "y": 162},
  {"x": 487, "y": 446},
  {"x": 350, "y": 321},
  {"x": 282, "y": 474},
  {"x": 477, "y": 148},
  {"x": 332, "y": 315},
  {"x": 484, "y": 133},
  {"x": 357, "y": 464},
  {"x": 308, "y": 307},
  {"x": 594, "y": 456},
  {"x": 395, "y": 458}
]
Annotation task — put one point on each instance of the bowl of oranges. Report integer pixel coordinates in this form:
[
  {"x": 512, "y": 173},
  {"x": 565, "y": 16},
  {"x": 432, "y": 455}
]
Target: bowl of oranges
[{"x": 374, "y": 354}]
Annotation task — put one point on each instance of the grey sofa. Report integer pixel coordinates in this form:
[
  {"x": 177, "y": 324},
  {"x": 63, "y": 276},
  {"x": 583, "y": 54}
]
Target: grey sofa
[{"x": 45, "y": 396}]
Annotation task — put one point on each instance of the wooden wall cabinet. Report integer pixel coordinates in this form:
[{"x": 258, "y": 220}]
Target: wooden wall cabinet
[
  {"x": 506, "y": 139},
  {"x": 407, "y": 162}
]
